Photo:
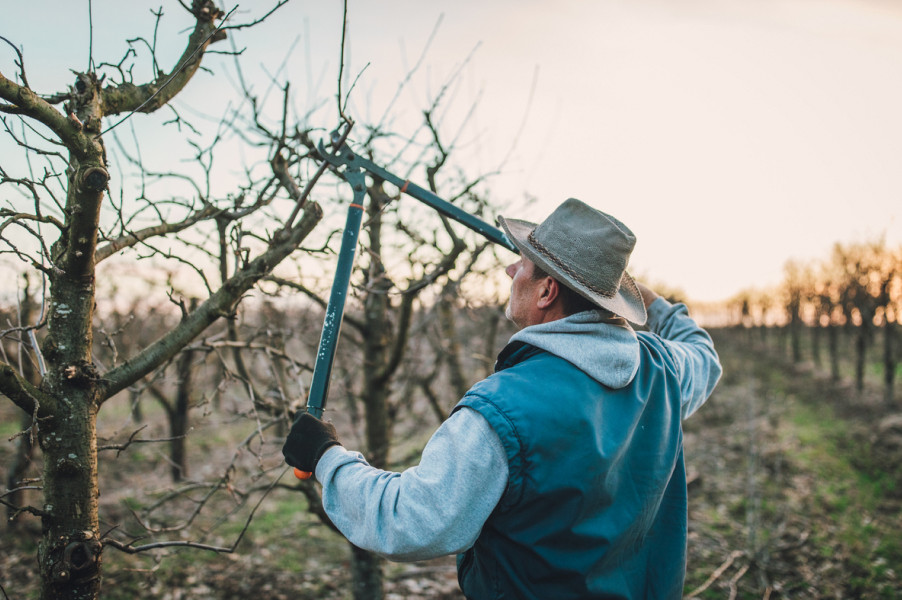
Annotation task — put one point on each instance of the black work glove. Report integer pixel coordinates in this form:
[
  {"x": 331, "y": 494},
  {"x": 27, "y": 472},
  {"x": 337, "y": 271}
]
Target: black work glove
[{"x": 308, "y": 439}]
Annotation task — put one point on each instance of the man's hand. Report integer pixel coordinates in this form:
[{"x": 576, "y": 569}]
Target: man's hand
[
  {"x": 648, "y": 294},
  {"x": 307, "y": 441}
]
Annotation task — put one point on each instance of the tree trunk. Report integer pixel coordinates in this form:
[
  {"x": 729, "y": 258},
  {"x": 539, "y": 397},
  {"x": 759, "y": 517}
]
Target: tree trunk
[
  {"x": 816, "y": 344},
  {"x": 861, "y": 348},
  {"x": 833, "y": 349},
  {"x": 135, "y": 403},
  {"x": 178, "y": 418},
  {"x": 366, "y": 575},
  {"x": 69, "y": 551},
  {"x": 795, "y": 337},
  {"x": 889, "y": 360},
  {"x": 366, "y": 568},
  {"x": 450, "y": 342},
  {"x": 491, "y": 335}
]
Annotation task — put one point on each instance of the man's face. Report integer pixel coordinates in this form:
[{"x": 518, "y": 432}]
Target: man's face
[{"x": 522, "y": 303}]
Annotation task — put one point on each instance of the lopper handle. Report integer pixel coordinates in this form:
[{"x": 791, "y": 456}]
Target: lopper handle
[{"x": 319, "y": 386}]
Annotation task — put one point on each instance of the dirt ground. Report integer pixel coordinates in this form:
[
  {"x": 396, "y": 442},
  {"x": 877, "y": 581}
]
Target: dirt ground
[{"x": 761, "y": 523}]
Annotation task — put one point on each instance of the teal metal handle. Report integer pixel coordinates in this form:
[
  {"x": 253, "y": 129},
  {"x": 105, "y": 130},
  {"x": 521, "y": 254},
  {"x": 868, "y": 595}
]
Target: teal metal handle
[
  {"x": 344, "y": 156},
  {"x": 352, "y": 168}
]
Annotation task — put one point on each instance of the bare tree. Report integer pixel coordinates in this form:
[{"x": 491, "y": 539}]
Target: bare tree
[
  {"x": 67, "y": 221},
  {"x": 793, "y": 283}
]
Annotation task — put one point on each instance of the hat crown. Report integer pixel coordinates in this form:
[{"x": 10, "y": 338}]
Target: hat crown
[
  {"x": 590, "y": 245},
  {"x": 585, "y": 249}
]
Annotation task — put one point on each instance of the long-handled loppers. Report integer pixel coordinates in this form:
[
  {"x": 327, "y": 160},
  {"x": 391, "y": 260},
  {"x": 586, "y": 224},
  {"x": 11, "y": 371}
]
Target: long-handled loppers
[{"x": 353, "y": 169}]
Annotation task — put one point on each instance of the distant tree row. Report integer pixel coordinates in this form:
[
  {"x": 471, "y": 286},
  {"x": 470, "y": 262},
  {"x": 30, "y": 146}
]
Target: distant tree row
[{"x": 856, "y": 291}]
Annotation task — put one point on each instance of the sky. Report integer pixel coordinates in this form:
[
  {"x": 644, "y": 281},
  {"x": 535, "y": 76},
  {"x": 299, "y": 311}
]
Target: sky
[{"x": 728, "y": 135}]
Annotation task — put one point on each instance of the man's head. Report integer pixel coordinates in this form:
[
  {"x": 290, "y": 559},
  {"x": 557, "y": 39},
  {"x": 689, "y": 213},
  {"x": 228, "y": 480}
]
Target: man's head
[
  {"x": 577, "y": 254},
  {"x": 537, "y": 297}
]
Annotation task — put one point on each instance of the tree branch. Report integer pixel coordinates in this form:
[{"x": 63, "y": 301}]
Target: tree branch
[
  {"x": 350, "y": 320},
  {"x": 22, "y": 393},
  {"x": 27, "y": 103},
  {"x": 129, "y": 549},
  {"x": 130, "y": 239},
  {"x": 219, "y": 304},
  {"x": 127, "y": 97}
]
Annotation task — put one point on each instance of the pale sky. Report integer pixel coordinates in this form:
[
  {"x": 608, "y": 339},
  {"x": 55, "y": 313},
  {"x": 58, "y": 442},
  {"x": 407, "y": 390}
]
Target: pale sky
[{"x": 729, "y": 135}]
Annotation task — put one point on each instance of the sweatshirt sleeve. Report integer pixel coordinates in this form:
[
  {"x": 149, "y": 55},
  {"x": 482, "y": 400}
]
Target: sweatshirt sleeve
[
  {"x": 692, "y": 349},
  {"x": 433, "y": 509}
]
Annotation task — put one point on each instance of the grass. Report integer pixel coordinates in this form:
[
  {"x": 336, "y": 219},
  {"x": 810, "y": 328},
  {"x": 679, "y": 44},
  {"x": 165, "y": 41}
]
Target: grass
[
  {"x": 856, "y": 501},
  {"x": 812, "y": 505}
]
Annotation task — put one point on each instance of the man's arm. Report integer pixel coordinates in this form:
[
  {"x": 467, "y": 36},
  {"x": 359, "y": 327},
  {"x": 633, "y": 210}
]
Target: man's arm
[
  {"x": 433, "y": 509},
  {"x": 690, "y": 345}
]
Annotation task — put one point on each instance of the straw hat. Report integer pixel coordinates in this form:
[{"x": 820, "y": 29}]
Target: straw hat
[{"x": 586, "y": 250}]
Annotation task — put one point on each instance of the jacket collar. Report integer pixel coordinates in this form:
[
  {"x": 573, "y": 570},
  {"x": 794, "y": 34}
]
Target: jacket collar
[
  {"x": 513, "y": 353},
  {"x": 606, "y": 349}
]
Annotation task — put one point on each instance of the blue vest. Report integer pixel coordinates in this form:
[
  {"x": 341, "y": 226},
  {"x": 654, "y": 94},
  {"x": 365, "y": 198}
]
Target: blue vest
[{"x": 596, "y": 504}]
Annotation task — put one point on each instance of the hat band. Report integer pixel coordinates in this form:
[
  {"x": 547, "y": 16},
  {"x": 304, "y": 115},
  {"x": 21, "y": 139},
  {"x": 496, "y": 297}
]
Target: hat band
[{"x": 567, "y": 270}]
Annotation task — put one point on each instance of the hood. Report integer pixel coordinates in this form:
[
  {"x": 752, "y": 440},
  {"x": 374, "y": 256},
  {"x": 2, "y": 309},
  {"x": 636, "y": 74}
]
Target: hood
[{"x": 605, "y": 348}]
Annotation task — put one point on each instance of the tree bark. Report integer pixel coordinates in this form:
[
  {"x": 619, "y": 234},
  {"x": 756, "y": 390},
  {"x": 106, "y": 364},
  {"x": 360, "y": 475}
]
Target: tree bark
[
  {"x": 178, "y": 421},
  {"x": 366, "y": 567},
  {"x": 450, "y": 342},
  {"x": 366, "y": 575},
  {"x": 69, "y": 551}
]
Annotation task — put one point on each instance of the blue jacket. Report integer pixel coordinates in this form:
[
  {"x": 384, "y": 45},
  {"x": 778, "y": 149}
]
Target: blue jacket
[
  {"x": 596, "y": 504},
  {"x": 583, "y": 408}
]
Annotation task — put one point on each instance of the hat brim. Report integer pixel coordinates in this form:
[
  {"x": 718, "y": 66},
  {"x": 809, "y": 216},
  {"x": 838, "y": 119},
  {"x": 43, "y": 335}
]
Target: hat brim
[{"x": 626, "y": 302}]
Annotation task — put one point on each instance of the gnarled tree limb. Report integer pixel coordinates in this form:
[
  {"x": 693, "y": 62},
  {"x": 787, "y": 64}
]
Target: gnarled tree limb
[{"x": 147, "y": 98}]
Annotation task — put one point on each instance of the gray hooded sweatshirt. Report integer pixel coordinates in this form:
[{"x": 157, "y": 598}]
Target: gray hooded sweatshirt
[{"x": 439, "y": 506}]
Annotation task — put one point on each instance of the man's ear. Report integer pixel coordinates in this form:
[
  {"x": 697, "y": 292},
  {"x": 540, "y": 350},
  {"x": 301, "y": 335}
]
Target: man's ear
[{"x": 549, "y": 291}]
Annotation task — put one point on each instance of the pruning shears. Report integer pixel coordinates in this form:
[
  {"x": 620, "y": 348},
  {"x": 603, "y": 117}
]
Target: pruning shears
[{"x": 353, "y": 168}]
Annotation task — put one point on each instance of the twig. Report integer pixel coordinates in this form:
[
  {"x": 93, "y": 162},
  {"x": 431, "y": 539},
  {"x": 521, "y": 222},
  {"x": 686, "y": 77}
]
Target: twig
[
  {"x": 90, "y": 37},
  {"x": 20, "y": 64},
  {"x": 716, "y": 574},
  {"x": 19, "y": 489},
  {"x": 735, "y": 579},
  {"x": 341, "y": 65},
  {"x": 20, "y": 509},
  {"x": 131, "y": 440},
  {"x": 181, "y": 67},
  {"x": 260, "y": 20},
  {"x": 129, "y": 549},
  {"x": 302, "y": 197}
]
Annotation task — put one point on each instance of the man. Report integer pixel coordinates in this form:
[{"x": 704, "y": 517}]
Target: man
[{"x": 561, "y": 475}]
